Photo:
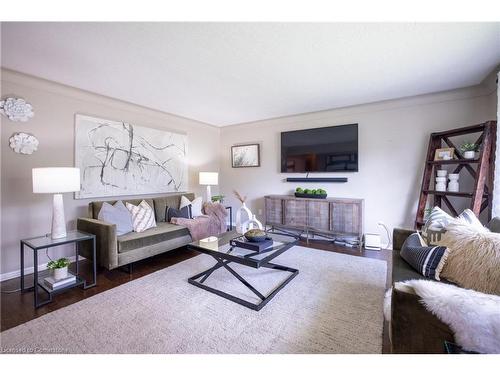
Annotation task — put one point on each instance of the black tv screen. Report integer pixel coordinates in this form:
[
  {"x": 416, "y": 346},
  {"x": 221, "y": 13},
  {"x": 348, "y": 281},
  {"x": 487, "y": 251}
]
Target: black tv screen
[{"x": 329, "y": 149}]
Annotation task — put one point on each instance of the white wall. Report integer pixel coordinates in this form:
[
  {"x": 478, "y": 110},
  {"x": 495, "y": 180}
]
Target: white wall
[
  {"x": 25, "y": 214},
  {"x": 393, "y": 138}
]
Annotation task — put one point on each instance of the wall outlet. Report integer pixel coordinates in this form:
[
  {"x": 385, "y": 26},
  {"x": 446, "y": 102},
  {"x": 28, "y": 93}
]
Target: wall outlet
[{"x": 259, "y": 211}]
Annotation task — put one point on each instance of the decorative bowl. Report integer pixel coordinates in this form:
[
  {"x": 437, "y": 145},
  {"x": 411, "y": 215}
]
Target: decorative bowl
[
  {"x": 314, "y": 196},
  {"x": 255, "y": 235}
]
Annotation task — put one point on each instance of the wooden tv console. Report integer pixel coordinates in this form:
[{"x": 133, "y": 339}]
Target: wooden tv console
[{"x": 331, "y": 216}]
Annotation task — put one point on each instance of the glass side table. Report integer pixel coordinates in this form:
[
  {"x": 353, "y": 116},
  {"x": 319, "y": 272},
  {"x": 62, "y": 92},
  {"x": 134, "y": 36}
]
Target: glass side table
[{"x": 46, "y": 242}]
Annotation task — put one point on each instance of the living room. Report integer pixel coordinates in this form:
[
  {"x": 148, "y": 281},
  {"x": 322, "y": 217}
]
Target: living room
[{"x": 249, "y": 187}]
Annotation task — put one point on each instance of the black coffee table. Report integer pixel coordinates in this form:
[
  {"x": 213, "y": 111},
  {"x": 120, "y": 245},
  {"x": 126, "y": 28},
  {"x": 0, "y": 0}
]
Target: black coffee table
[{"x": 224, "y": 254}]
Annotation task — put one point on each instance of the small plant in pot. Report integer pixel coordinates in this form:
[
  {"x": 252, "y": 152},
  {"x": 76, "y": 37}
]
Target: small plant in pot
[
  {"x": 469, "y": 150},
  {"x": 59, "y": 268},
  {"x": 218, "y": 198}
]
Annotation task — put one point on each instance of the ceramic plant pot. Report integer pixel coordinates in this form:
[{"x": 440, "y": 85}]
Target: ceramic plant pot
[
  {"x": 60, "y": 273},
  {"x": 469, "y": 154}
]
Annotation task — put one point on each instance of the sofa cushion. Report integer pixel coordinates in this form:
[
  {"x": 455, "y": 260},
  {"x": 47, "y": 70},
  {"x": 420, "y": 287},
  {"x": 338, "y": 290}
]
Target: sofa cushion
[
  {"x": 161, "y": 204},
  {"x": 162, "y": 232},
  {"x": 428, "y": 260}
]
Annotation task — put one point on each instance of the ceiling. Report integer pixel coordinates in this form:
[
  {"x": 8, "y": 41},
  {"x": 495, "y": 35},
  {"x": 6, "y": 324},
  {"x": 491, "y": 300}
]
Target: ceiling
[{"x": 229, "y": 73}]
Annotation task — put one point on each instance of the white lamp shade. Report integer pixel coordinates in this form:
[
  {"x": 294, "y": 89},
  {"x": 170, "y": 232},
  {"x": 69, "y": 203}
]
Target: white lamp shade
[
  {"x": 56, "y": 180},
  {"x": 209, "y": 178}
]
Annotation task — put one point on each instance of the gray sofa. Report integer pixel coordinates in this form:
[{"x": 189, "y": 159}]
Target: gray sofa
[
  {"x": 415, "y": 330},
  {"x": 116, "y": 251}
]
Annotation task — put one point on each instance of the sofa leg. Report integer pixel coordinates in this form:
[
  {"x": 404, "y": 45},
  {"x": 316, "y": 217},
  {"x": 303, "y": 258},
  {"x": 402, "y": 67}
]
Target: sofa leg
[{"x": 127, "y": 268}]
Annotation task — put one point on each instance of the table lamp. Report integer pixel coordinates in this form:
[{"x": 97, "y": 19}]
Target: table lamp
[
  {"x": 56, "y": 181},
  {"x": 209, "y": 178}
]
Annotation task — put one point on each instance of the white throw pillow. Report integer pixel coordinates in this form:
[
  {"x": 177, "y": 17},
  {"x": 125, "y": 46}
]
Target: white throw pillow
[
  {"x": 118, "y": 215},
  {"x": 143, "y": 216},
  {"x": 196, "y": 205},
  {"x": 438, "y": 221}
]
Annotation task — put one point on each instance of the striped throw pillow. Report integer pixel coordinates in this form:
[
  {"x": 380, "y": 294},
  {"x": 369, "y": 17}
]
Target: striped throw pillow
[
  {"x": 427, "y": 260},
  {"x": 438, "y": 220},
  {"x": 143, "y": 216}
]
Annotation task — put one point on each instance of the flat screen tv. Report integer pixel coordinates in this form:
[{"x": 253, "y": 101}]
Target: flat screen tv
[{"x": 329, "y": 149}]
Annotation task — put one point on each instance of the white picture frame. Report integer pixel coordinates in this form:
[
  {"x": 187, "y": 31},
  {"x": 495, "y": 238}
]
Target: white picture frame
[{"x": 245, "y": 156}]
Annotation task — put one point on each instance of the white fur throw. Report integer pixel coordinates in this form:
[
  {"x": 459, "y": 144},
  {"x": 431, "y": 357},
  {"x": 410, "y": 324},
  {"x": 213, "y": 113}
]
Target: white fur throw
[
  {"x": 474, "y": 258},
  {"x": 474, "y": 317}
]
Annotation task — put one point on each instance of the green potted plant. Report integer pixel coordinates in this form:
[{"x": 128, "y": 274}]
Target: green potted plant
[
  {"x": 469, "y": 150},
  {"x": 218, "y": 198},
  {"x": 59, "y": 268}
]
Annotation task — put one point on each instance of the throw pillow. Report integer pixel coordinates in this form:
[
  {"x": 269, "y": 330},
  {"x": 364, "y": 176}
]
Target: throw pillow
[
  {"x": 428, "y": 260},
  {"x": 143, "y": 216},
  {"x": 468, "y": 217},
  {"x": 118, "y": 215},
  {"x": 438, "y": 220},
  {"x": 184, "y": 212},
  {"x": 196, "y": 206},
  {"x": 474, "y": 259}
]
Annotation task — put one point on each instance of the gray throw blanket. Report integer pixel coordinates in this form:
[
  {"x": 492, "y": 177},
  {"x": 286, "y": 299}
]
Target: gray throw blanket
[{"x": 210, "y": 224}]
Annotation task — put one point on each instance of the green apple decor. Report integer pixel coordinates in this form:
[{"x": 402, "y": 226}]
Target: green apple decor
[{"x": 310, "y": 193}]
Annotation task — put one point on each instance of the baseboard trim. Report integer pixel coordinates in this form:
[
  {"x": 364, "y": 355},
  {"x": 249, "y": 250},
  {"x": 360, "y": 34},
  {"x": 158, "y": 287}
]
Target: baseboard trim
[{"x": 27, "y": 270}]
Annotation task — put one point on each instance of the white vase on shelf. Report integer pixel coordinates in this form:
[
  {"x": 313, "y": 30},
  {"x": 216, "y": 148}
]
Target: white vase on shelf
[
  {"x": 442, "y": 172},
  {"x": 453, "y": 185},
  {"x": 440, "y": 184}
]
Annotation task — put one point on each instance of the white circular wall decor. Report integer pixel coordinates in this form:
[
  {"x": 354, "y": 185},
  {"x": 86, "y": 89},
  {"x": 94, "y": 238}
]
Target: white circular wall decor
[
  {"x": 16, "y": 109},
  {"x": 23, "y": 143}
]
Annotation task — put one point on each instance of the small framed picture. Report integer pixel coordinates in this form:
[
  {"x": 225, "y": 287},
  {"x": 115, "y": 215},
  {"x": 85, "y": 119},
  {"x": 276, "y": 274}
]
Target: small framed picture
[
  {"x": 243, "y": 156},
  {"x": 444, "y": 154}
]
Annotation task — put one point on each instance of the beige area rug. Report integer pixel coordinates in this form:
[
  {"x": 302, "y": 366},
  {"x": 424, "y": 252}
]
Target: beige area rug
[{"x": 334, "y": 305}]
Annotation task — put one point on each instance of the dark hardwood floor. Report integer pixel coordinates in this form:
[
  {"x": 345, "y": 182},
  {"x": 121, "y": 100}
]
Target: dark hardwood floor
[{"x": 17, "y": 308}]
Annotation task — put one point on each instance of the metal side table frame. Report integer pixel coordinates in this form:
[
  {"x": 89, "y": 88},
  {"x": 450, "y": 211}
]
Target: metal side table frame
[{"x": 46, "y": 242}]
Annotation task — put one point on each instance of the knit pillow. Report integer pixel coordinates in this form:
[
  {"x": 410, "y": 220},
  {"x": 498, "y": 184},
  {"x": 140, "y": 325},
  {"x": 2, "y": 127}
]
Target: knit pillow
[
  {"x": 474, "y": 259},
  {"x": 427, "y": 260},
  {"x": 143, "y": 216}
]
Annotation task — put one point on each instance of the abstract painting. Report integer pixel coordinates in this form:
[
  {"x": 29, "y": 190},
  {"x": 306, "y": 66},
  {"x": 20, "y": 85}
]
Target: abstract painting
[
  {"x": 245, "y": 156},
  {"x": 118, "y": 158}
]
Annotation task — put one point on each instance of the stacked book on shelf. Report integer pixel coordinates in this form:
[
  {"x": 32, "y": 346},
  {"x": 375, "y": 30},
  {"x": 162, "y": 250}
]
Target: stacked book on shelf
[
  {"x": 347, "y": 241},
  {"x": 54, "y": 284}
]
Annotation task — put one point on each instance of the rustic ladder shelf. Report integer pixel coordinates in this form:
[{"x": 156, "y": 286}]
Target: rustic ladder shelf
[{"x": 481, "y": 196}]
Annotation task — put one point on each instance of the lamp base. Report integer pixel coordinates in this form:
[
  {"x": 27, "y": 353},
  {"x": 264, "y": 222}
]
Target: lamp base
[
  {"x": 58, "y": 220},
  {"x": 209, "y": 194}
]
